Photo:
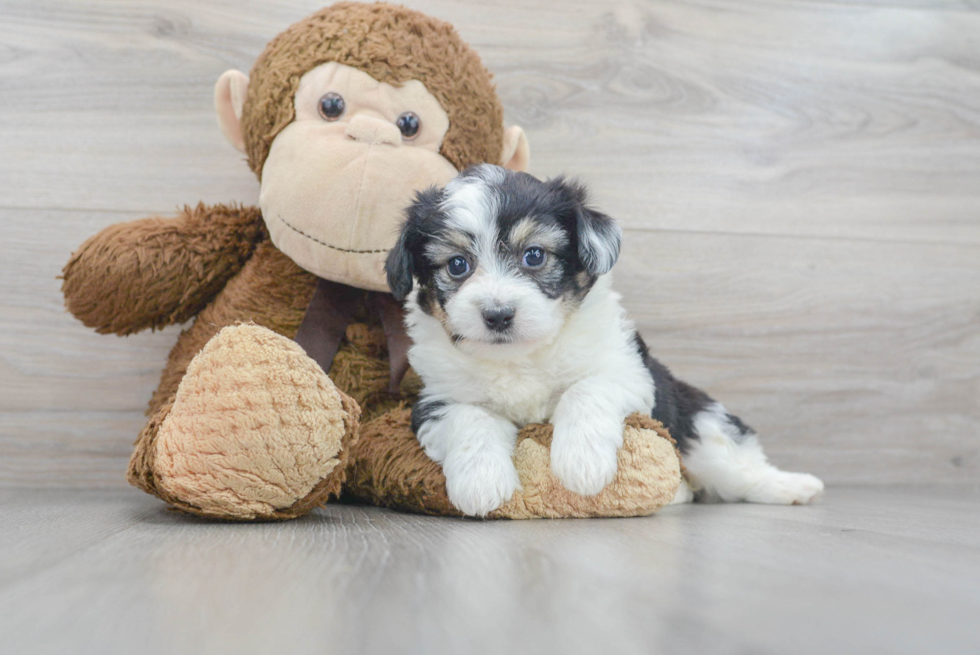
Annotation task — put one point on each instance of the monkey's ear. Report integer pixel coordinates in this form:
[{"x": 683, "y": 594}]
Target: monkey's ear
[
  {"x": 400, "y": 264},
  {"x": 229, "y": 100},
  {"x": 516, "y": 154}
]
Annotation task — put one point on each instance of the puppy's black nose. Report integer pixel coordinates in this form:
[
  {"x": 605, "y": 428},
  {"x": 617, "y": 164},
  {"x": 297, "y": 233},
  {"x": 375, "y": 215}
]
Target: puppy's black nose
[{"x": 498, "y": 319}]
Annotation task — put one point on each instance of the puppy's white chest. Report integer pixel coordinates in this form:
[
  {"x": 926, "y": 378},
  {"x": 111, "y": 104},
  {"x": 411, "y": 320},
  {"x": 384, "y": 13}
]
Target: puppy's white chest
[{"x": 522, "y": 394}]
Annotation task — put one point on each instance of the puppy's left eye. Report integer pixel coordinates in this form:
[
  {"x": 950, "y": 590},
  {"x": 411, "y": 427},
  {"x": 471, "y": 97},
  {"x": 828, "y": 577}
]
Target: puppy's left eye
[
  {"x": 458, "y": 266},
  {"x": 533, "y": 257}
]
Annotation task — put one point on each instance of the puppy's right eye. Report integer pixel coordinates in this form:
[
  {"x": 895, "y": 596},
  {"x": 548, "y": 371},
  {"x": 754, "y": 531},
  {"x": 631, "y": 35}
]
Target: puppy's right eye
[{"x": 458, "y": 266}]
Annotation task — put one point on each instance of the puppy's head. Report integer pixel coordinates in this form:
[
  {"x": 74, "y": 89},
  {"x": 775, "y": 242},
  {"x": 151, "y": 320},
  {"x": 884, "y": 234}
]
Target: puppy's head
[{"x": 501, "y": 257}]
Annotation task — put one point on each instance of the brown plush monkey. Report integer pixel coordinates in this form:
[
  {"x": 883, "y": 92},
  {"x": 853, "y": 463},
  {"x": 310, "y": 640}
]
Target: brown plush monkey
[{"x": 344, "y": 116}]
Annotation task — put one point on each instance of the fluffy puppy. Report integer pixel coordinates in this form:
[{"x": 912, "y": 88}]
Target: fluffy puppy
[{"x": 514, "y": 320}]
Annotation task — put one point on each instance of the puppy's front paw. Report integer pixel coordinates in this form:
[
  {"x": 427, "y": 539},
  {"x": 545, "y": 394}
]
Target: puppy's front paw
[
  {"x": 479, "y": 484},
  {"x": 584, "y": 456}
]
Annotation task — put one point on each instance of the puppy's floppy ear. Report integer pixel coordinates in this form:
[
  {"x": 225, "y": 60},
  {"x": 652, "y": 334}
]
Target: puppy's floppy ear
[
  {"x": 599, "y": 237},
  {"x": 399, "y": 267},
  {"x": 599, "y": 240},
  {"x": 400, "y": 264}
]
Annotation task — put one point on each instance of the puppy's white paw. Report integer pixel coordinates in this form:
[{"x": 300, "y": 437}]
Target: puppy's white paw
[
  {"x": 684, "y": 494},
  {"x": 584, "y": 457},
  {"x": 782, "y": 488},
  {"x": 477, "y": 484}
]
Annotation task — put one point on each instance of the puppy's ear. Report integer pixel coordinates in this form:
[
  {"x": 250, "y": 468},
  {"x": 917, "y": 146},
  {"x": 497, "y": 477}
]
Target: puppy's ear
[
  {"x": 400, "y": 267},
  {"x": 401, "y": 263},
  {"x": 599, "y": 241},
  {"x": 599, "y": 237}
]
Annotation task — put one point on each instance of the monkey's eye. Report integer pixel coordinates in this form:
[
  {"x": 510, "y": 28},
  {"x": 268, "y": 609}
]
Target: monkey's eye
[
  {"x": 332, "y": 106},
  {"x": 409, "y": 125},
  {"x": 533, "y": 257},
  {"x": 458, "y": 266}
]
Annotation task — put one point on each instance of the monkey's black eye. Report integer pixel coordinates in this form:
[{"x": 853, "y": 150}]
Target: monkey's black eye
[
  {"x": 332, "y": 106},
  {"x": 409, "y": 125},
  {"x": 533, "y": 257},
  {"x": 458, "y": 266}
]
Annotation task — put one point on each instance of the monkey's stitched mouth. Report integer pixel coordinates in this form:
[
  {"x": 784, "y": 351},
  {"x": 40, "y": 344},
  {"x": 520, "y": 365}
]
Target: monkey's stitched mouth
[{"x": 328, "y": 245}]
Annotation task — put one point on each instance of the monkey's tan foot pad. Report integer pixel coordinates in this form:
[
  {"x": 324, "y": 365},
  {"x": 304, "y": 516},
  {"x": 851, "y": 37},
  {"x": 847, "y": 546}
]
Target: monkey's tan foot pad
[
  {"x": 390, "y": 468},
  {"x": 256, "y": 430}
]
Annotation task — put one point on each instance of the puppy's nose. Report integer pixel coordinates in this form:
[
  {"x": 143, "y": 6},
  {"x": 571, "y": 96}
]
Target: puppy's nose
[{"x": 498, "y": 319}]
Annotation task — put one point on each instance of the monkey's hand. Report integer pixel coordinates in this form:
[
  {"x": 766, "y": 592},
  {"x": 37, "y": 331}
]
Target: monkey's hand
[{"x": 154, "y": 272}]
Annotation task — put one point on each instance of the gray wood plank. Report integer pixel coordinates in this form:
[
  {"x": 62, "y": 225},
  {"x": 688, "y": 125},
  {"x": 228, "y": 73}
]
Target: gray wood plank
[
  {"x": 866, "y": 571},
  {"x": 805, "y": 118},
  {"x": 798, "y": 181},
  {"x": 845, "y": 355},
  {"x": 854, "y": 359}
]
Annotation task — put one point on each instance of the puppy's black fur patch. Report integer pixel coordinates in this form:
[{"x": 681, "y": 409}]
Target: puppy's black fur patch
[
  {"x": 591, "y": 245},
  {"x": 400, "y": 265},
  {"x": 676, "y": 403},
  {"x": 423, "y": 410},
  {"x": 589, "y": 248}
]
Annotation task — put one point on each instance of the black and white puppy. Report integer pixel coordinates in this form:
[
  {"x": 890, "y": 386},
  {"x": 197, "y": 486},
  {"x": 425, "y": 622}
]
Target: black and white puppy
[{"x": 514, "y": 320}]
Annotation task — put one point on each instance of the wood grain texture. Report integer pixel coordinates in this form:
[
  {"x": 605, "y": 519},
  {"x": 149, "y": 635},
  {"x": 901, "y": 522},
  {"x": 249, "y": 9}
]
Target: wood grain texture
[
  {"x": 866, "y": 571},
  {"x": 798, "y": 182}
]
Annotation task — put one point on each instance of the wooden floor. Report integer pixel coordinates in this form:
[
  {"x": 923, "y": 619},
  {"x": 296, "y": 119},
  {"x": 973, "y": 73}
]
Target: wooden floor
[{"x": 867, "y": 571}]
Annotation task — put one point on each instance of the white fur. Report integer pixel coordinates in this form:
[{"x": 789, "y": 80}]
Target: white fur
[
  {"x": 581, "y": 371},
  {"x": 728, "y": 466},
  {"x": 684, "y": 494},
  {"x": 472, "y": 208},
  {"x": 597, "y": 251},
  {"x": 536, "y": 317},
  {"x": 586, "y": 378},
  {"x": 470, "y": 204},
  {"x": 475, "y": 449}
]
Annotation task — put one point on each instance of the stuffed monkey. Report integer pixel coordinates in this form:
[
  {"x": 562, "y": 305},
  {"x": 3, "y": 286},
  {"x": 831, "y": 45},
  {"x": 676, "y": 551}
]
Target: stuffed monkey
[{"x": 344, "y": 116}]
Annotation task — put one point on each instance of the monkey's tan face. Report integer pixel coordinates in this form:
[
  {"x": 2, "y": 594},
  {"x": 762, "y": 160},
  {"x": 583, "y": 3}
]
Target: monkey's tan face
[{"x": 338, "y": 178}]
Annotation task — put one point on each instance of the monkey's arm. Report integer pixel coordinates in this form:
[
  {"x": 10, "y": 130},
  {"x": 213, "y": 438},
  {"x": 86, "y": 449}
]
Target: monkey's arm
[{"x": 154, "y": 272}]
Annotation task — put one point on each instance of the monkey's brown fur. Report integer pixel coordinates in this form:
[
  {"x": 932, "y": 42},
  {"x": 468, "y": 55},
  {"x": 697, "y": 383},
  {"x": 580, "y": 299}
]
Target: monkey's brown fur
[
  {"x": 180, "y": 264},
  {"x": 217, "y": 266},
  {"x": 391, "y": 44},
  {"x": 389, "y": 468}
]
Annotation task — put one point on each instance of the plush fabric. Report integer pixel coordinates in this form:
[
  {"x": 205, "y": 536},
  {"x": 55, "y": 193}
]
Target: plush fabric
[
  {"x": 156, "y": 271},
  {"x": 244, "y": 425},
  {"x": 256, "y": 430},
  {"x": 389, "y": 468},
  {"x": 269, "y": 289},
  {"x": 392, "y": 44},
  {"x": 327, "y": 213}
]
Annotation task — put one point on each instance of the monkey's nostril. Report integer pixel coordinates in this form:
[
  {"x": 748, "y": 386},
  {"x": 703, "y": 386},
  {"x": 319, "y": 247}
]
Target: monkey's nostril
[{"x": 498, "y": 319}]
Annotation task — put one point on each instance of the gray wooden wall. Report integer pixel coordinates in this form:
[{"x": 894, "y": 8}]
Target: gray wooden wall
[{"x": 799, "y": 183}]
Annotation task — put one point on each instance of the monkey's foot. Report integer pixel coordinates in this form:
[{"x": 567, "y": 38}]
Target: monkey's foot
[{"x": 256, "y": 430}]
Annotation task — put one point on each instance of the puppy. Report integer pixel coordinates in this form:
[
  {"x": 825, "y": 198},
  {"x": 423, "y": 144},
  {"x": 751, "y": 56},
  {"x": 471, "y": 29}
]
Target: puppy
[{"x": 514, "y": 320}]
